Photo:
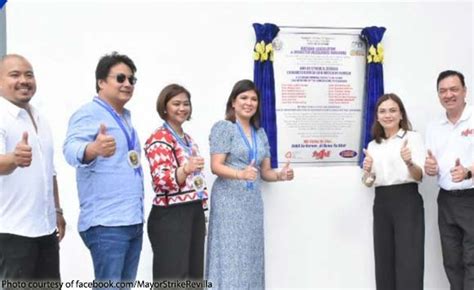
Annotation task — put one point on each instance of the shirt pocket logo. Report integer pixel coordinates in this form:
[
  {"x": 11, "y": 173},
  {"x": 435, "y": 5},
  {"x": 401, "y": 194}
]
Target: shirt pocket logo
[{"x": 468, "y": 132}]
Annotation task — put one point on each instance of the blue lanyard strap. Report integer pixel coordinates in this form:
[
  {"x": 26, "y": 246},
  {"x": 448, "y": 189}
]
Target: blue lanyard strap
[
  {"x": 188, "y": 146},
  {"x": 252, "y": 149},
  {"x": 131, "y": 140}
]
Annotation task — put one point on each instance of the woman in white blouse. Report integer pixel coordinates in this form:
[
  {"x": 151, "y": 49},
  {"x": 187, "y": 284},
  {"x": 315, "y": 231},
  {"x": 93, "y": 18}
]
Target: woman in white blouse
[{"x": 393, "y": 165}]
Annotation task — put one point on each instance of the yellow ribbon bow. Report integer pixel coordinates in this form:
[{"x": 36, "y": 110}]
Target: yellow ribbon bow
[
  {"x": 263, "y": 51},
  {"x": 375, "y": 55}
]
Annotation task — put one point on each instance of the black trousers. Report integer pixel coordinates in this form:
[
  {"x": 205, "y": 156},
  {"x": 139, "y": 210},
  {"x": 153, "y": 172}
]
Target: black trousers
[
  {"x": 29, "y": 259},
  {"x": 177, "y": 238},
  {"x": 399, "y": 237},
  {"x": 456, "y": 228}
]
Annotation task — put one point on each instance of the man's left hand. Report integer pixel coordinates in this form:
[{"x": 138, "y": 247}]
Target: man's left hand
[
  {"x": 458, "y": 172},
  {"x": 61, "y": 226}
]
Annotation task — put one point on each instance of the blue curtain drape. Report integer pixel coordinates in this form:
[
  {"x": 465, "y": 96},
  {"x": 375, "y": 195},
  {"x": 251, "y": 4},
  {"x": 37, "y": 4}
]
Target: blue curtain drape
[
  {"x": 2, "y": 2},
  {"x": 264, "y": 79},
  {"x": 374, "y": 78}
]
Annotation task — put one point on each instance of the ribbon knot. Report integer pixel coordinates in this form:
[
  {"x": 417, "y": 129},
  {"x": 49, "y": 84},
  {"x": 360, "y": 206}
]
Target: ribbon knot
[
  {"x": 375, "y": 55},
  {"x": 263, "y": 52}
]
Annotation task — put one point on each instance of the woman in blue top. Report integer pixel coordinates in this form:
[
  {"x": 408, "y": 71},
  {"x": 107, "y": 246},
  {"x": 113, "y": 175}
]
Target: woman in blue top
[{"x": 240, "y": 158}]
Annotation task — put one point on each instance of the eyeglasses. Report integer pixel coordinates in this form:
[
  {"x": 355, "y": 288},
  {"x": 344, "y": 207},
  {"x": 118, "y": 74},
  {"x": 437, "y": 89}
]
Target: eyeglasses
[{"x": 121, "y": 78}]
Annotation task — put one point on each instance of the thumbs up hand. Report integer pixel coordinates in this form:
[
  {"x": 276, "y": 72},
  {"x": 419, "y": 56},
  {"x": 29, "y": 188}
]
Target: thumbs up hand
[
  {"x": 195, "y": 162},
  {"x": 286, "y": 173},
  {"x": 250, "y": 172},
  {"x": 22, "y": 154},
  {"x": 104, "y": 144},
  {"x": 431, "y": 164},
  {"x": 405, "y": 153},
  {"x": 24, "y": 138},
  {"x": 368, "y": 161},
  {"x": 458, "y": 172}
]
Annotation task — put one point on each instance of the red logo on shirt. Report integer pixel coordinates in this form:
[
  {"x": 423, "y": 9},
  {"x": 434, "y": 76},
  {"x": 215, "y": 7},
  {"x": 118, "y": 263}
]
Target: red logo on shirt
[
  {"x": 321, "y": 154},
  {"x": 467, "y": 132}
]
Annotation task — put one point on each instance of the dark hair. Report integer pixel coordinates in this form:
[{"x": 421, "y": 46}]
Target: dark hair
[
  {"x": 377, "y": 130},
  {"x": 240, "y": 87},
  {"x": 449, "y": 73},
  {"x": 106, "y": 62},
  {"x": 166, "y": 94}
]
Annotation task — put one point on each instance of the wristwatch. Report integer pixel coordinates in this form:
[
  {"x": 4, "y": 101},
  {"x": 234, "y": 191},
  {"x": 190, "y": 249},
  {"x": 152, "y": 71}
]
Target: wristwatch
[{"x": 468, "y": 175}]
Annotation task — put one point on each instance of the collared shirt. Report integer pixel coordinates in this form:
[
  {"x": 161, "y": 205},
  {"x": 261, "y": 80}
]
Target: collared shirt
[
  {"x": 110, "y": 190},
  {"x": 388, "y": 165},
  {"x": 450, "y": 141},
  {"x": 26, "y": 195}
]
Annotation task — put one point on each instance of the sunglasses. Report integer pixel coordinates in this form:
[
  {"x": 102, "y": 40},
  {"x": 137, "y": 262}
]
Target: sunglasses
[{"x": 122, "y": 77}]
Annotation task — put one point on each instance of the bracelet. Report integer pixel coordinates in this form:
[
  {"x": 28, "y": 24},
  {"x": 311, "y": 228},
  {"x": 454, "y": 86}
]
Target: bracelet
[
  {"x": 368, "y": 178},
  {"x": 59, "y": 211},
  {"x": 467, "y": 174}
]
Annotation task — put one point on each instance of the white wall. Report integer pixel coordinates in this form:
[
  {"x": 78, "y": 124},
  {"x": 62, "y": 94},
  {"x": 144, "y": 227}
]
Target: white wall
[{"x": 318, "y": 227}]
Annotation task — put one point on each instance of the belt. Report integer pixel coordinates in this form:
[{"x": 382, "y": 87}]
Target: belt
[{"x": 458, "y": 192}]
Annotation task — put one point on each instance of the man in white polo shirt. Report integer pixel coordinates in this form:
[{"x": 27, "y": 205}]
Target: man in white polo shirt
[
  {"x": 450, "y": 144},
  {"x": 31, "y": 221}
]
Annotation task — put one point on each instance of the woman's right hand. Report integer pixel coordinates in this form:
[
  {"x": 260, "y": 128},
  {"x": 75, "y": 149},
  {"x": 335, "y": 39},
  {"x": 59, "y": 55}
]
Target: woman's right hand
[
  {"x": 368, "y": 161},
  {"x": 249, "y": 173},
  {"x": 195, "y": 163}
]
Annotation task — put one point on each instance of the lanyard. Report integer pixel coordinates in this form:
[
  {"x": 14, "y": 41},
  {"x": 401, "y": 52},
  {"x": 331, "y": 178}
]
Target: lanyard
[
  {"x": 198, "y": 179},
  {"x": 252, "y": 149},
  {"x": 131, "y": 140},
  {"x": 186, "y": 144}
]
